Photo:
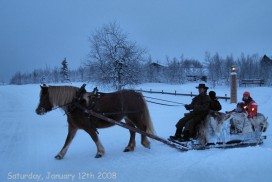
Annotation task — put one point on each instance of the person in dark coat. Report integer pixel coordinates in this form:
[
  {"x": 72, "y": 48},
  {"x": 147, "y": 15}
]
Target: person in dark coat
[
  {"x": 215, "y": 104},
  {"x": 199, "y": 108}
]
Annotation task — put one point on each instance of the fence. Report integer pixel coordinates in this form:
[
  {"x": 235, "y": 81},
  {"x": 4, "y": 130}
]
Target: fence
[
  {"x": 178, "y": 94},
  {"x": 253, "y": 81}
]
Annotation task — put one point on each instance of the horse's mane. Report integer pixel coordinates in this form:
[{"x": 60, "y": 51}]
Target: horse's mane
[{"x": 61, "y": 95}]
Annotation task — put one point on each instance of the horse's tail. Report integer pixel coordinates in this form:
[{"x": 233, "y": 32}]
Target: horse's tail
[{"x": 147, "y": 119}]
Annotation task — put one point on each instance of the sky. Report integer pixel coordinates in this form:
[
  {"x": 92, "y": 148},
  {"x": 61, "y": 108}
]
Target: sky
[{"x": 41, "y": 33}]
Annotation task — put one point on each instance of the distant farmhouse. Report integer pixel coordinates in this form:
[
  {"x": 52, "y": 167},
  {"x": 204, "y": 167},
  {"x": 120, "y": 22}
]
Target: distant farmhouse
[{"x": 266, "y": 61}]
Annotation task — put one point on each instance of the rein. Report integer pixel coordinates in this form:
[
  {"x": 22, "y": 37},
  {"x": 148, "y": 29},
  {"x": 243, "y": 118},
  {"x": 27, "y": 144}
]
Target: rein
[
  {"x": 158, "y": 103},
  {"x": 70, "y": 103},
  {"x": 161, "y": 103},
  {"x": 121, "y": 112},
  {"x": 74, "y": 102}
]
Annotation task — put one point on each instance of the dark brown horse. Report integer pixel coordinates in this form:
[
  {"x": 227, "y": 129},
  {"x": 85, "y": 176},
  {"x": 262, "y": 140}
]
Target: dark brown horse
[{"x": 125, "y": 104}]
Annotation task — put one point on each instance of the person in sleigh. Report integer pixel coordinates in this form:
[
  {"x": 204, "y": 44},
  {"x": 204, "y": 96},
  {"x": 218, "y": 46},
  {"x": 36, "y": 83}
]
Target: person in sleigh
[
  {"x": 215, "y": 104},
  {"x": 199, "y": 109},
  {"x": 250, "y": 106},
  {"x": 239, "y": 108},
  {"x": 246, "y": 122}
]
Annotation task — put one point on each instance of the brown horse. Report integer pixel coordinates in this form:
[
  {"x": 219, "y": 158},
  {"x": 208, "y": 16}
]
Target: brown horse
[{"x": 125, "y": 104}]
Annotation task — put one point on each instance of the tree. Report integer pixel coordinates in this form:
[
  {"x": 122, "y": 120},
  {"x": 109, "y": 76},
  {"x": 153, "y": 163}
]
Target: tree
[
  {"x": 118, "y": 58},
  {"x": 214, "y": 66},
  {"x": 16, "y": 79},
  {"x": 175, "y": 71},
  {"x": 55, "y": 74},
  {"x": 35, "y": 76},
  {"x": 81, "y": 70},
  {"x": 64, "y": 72}
]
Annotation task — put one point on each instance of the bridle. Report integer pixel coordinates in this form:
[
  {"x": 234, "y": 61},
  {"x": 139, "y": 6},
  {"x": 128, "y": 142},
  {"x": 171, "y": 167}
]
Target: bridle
[{"x": 42, "y": 100}]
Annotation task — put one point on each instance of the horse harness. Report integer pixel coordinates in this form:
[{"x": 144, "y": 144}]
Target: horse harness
[{"x": 77, "y": 103}]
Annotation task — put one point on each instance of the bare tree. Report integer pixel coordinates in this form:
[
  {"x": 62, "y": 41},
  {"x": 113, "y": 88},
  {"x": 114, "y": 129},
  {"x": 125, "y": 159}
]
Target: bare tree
[
  {"x": 81, "y": 73},
  {"x": 214, "y": 67},
  {"x": 56, "y": 74},
  {"x": 16, "y": 79},
  {"x": 175, "y": 71},
  {"x": 117, "y": 57}
]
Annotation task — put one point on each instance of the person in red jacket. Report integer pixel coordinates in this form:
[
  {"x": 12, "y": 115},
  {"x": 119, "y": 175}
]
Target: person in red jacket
[{"x": 250, "y": 106}]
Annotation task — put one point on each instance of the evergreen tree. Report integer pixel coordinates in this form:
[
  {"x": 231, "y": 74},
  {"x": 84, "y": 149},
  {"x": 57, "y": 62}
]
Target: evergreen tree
[{"x": 65, "y": 78}]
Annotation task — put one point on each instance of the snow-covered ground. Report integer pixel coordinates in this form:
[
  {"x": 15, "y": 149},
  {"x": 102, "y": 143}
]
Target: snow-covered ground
[{"x": 29, "y": 143}]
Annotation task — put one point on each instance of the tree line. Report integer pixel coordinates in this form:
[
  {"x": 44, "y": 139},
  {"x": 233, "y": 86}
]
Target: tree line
[{"x": 117, "y": 61}]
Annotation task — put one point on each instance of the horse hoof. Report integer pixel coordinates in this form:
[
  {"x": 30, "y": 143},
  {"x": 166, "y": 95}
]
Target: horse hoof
[
  {"x": 58, "y": 157},
  {"x": 147, "y": 145},
  {"x": 98, "y": 156},
  {"x": 126, "y": 150}
]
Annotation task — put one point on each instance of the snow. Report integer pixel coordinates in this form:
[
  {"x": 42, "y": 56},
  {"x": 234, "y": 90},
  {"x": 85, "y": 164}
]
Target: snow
[{"x": 29, "y": 143}]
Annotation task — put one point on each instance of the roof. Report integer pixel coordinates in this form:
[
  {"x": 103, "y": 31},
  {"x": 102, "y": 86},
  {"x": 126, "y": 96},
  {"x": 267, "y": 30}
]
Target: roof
[{"x": 266, "y": 60}]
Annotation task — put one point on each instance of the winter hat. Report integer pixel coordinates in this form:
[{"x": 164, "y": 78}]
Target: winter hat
[
  {"x": 246, "y": 94},
  {"x": 212, "y": 94},
  {"x": 240, "y": 104}
]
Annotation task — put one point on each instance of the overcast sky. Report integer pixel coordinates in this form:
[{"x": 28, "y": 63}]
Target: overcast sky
[{"x": 39, "y": 33}]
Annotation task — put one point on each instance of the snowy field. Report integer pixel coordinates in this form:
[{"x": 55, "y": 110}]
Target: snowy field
[{"x": 29, "y": 143}]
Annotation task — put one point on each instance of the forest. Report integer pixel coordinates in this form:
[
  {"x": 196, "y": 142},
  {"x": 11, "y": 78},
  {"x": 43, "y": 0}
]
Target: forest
[{"x": 119, "y": 62}]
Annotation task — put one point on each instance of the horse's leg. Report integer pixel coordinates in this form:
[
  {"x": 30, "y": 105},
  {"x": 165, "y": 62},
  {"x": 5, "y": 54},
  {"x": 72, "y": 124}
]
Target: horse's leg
[
  {"x": 99, "y": 146},
  {"x": 138, "y": 122},
  {"x": 71, "y": 134},
  {"x": 131, "y": 144},
  {"x": 144, "y": 140}
]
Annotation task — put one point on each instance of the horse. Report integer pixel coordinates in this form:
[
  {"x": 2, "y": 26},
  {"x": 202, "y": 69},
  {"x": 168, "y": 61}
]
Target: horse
[{"x": 125, "y": 104}]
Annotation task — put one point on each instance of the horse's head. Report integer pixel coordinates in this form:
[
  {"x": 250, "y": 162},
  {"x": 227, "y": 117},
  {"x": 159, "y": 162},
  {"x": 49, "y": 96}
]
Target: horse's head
[{"x": 44, "y": 104}]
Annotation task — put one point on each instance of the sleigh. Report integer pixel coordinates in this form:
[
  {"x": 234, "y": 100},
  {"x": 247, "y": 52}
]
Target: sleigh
[{"x": 220, "y": 130}]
